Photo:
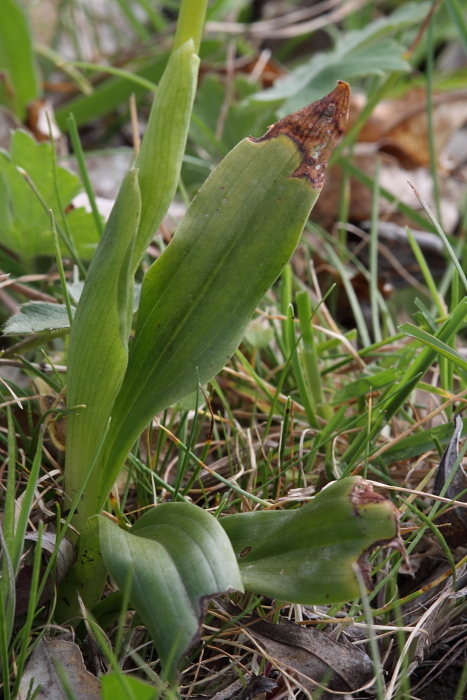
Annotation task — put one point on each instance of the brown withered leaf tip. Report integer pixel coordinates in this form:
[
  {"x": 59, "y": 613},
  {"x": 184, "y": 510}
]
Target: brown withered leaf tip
[{"x": 316, "y": 130}]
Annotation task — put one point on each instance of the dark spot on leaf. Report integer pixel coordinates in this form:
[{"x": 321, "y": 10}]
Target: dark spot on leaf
[
  {"x": 245, "y": 551},
  {"x": 330, "y": 110}
]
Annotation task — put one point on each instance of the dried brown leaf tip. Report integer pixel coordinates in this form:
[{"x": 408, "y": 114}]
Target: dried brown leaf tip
[{"x": 315, "y": 130}]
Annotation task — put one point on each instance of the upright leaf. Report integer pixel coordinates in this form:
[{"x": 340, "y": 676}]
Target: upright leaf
[
  {"x": 100, "y": 333},
  {"x": 161, "y": 154},
  {"x": 236, "y": 237},
  {"x": 98, "y": 349}
]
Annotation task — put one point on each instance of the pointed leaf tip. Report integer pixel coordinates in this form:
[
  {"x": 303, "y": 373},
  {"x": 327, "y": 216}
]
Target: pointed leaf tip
[{"x": 315, "y": 129}]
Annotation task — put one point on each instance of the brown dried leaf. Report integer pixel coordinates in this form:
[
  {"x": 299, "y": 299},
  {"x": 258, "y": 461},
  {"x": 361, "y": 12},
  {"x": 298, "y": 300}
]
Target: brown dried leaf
[
  {"x": 401, "y": 126},
  {"x": 41, "y": 669},
  {"x": 315, "y": 130},
  {"x": 311, "y": 656}
]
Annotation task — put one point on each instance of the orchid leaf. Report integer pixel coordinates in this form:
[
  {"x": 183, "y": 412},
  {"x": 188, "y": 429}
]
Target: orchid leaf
[
  {"x": 307, "y": 555},
  {"x": 173, "y": 559}
]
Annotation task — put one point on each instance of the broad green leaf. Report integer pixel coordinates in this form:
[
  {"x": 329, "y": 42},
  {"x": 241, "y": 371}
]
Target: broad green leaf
[
  {"x": 37, "y": 316},
  {"x": 20, "y": 83},
  {"x": 98, "y": 348},
  {"x": 307, "y": 556},
  {"x": 24, "y": 224},
  {"x": 174, "y": 558},
  {"x": 121, "y": 686},
  {"x": 361, "y": 52},
  {"x": 435, "y": 344},
  {"x": 235, "y": 239}
]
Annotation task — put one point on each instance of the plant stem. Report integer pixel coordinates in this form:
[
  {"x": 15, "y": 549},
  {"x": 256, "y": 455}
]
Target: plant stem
[{"x": 190, "y": 23}]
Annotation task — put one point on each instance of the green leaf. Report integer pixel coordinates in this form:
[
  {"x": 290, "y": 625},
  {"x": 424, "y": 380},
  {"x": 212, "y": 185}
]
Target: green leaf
[
  {"x": 381, "y": 59},
  {"x": 115, "y": 686},
  {"x": 100, "y": 334},
  {"x": 174, "y": 558},
  {"x": 435, "y": 344},
  {"x": 17, "y": 59},
  {"x": 307, "y": 556},
  {"x": 160, "y": 158},
  {"x": 24, "y": 224},
  {"x": 359, "y": 53},
  {"x": 98, "y": 348},
  {"x": 37, "y": 316},
  {"x": 198, "y": 297}
]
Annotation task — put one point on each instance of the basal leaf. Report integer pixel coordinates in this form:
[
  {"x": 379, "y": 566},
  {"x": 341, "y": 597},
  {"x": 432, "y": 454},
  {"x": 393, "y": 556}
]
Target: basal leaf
[
  {"x": 174, "y": 558},
  {"x": 235, "y": 239},
  {"x": 307, "y": 555}
]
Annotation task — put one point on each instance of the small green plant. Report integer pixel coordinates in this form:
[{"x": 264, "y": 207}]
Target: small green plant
[
  {"x": 196, "y": 301},
  {"x": 304, "y": 401}
]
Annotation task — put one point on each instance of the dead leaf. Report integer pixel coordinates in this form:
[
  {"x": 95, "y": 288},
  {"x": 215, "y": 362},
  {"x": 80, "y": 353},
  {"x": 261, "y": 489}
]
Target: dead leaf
[
  {"x": 401, "y": 126},
  {"x": 311, "y": 655},
  {"x": 41, "y": 669},
  {"x": 455, "y": 533}
]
